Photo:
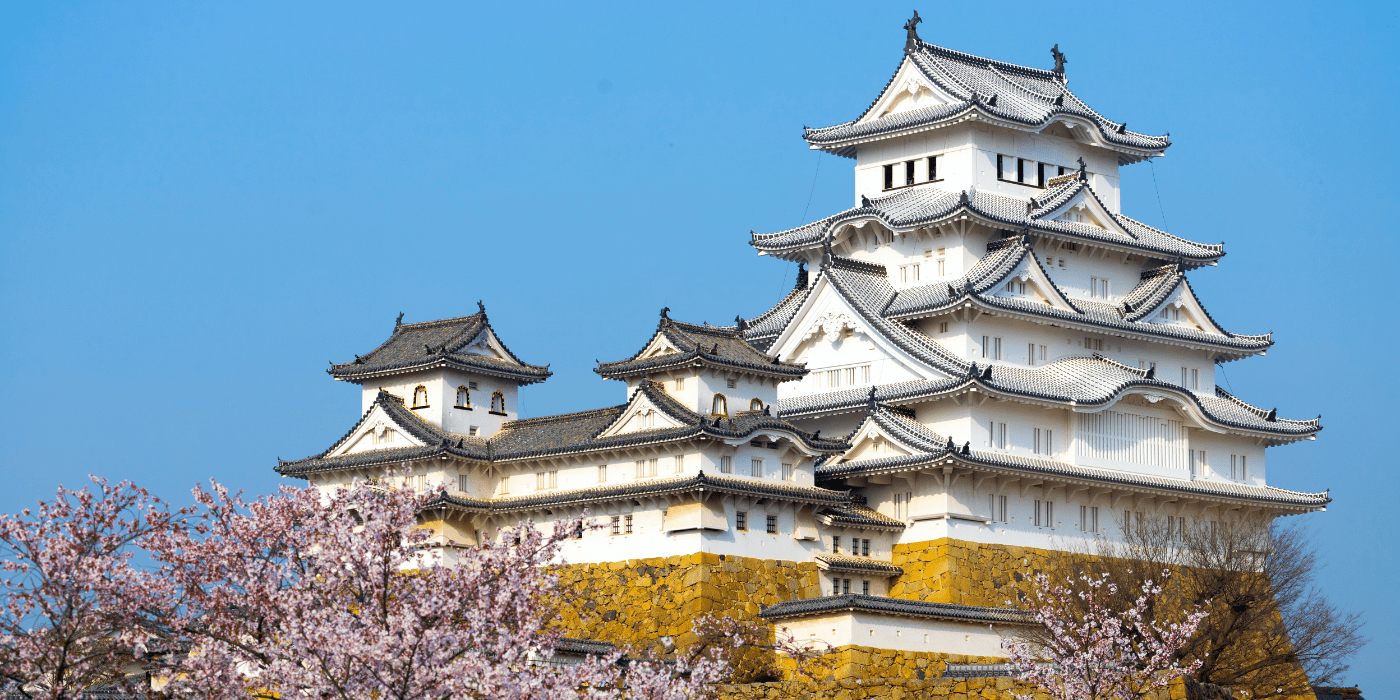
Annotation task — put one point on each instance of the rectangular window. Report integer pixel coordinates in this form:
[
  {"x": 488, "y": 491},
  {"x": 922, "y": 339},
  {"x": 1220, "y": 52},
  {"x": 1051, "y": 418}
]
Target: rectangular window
[
  {"x": 756, "y": 467},
  {"x": 1044, "y": 441},
  {"x": 942, "y": 270},
  {"x": 602, "y": 473},
  {"x": 1089, "y": 518},
  {"x": 732, "y": 383},
  {"x": 865, "y": 588},
  {"x": 901, "y": 505},
  {"x": 835, "y": 544},
  {"x": 1030, "y": 353},
  {"x": 1020, "y": 170},
  {"x": 616, "y": 525},
  {"x": 904, "y": 274},
  {"x": 865, "y": 374},
  {"x": 1195, "y": 380},
  {"x": 1234, "y": 467},
  {"x": 679, "y": 463},
  {"x": 1045, "y": 514},
  {"x": 547, "y": 480},
  {"x": 845, "y": 586},
  {"x": 680, "y": 383},
  {"x": 889, "y": 176},
  {"x": 473, "y": 430},
  {"x": 741, "y": 520},
  {"x": 646, "y": 468},
  {"x": 505, "y": 486},
  {"x": 627, "y": 524},
  {"x": 914, "y": 272},
  {"x": 996, "y": 435},
  {"x": 850, "y": 376},
  {"x": 996, "y": 505},
  {"x": 833, "y": 378},
  {"x": 908, "y": 172},
  {"x": 943, "y": 327},
  {"x": 578, "y": 530},
  {"x": 1005, "y": 167},
  {"x": 1098, "y": 288},
  {"x": 772, "y": 524},
  {"x": 1042, "y": 353},
  {"x": 726, "y": 465},
  {"x": 865, "y": 548},
  {"x": 1244, "y": 468},
  {"x": 471, "y": 386},
  {"x": 933, "y": 168},
  {"x": 462, "y": 482},
  {"x": 836, "y": 586},
  {"x": 991, "y": 348},
  {"x": 787, "y": 471}
]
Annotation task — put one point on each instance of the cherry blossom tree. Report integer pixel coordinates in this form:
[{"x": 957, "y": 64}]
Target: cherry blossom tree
[
  {"x": 1099, "y": 653},
  {"x": 346, "y": 596},
  {"x": 73, "y": 603}
]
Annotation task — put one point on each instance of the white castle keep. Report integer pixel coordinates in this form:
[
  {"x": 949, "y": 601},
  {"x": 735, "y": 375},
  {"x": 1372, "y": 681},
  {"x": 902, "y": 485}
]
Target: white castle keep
[{"x": 986, "y": 351}]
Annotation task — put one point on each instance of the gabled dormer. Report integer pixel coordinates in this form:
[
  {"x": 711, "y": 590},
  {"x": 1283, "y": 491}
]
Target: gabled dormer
[
  {"x": 454, "y": 373},
  {"x": 710, "y": 369}
]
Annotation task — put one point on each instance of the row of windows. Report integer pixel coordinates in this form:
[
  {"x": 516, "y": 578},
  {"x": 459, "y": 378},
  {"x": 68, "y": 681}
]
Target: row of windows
[
  {"x": 859, "y": 547},
  {"x": 719, "y": 406},
  {"x": 1027, "y": 172},
  {"x": 464, "y": 398},
  {"x": 842, "y": 586},
  {"x": 741, "y": 522},
  {"x": 840, "y": 377},
  {"x": 756, "y": 468},
  {"x": 904, "y": 174}
]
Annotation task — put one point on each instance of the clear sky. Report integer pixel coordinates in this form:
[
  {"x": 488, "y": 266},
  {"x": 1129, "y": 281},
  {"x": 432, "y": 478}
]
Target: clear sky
[{"x": 203, "y": 203}]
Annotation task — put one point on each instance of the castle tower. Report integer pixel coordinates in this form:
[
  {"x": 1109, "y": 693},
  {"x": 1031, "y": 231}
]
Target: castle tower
[{"x": 1018, "y": 365}]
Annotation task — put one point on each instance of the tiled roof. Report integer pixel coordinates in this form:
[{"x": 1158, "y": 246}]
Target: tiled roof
[
  {"x": 892, "y": 606},
  {"x": 999, "y": 92},
  {"x": 942, "y": 449},
  {"x": 580, "y": 647},
  {"x": 859, "y": 516},
  {"x": 920, "y": 206},
  {"x": 720, "y": 483},
  {"x": 418, "y": 346},
  {"x": 569, "y": 433},
  {"x": 1079, "y": 381},
  {"x": 764, "y": 328},
  {"x": 856, "y": 565},
  {"x": 1004, "y": 256},
  {"x": 696, "y": 346},
  {"x": 867, "y": 289}
]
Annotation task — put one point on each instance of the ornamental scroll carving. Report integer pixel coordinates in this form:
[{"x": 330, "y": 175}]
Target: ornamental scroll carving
[{"x": 832, "y": 325}]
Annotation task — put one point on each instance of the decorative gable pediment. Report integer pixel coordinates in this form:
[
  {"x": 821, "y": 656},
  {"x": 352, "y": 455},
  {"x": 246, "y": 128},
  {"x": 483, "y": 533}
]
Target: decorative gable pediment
[
  {"x": 828, "y": 331},
  {"x": 909, "y": 90},
  {"x": 1029, "y": 282},
  {"x": 641, "y": 414},
  {"x": 1085, "y": 208},
  {"x": 378, "y": 431},
  {"x": 485, "y": 344},
  {"x": 1181, "y": 308},
  {"x": 873, "y": 442}
]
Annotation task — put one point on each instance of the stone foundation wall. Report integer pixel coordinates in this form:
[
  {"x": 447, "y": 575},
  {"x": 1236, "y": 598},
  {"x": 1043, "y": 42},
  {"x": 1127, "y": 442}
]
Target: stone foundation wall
[
  {"x": 900, "y": 689},
  {"x": 640, "y": 600},
  {"x": 966, "y": 573}
]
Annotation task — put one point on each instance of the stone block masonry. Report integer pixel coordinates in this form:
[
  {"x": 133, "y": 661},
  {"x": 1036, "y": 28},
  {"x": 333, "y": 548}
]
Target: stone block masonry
[
  {"x": 641, "y": 600},
  {"x": 966, "y": 573}
]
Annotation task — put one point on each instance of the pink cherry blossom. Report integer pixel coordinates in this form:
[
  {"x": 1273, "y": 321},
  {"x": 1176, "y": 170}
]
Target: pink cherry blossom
[{"x": 1103, "y": 654}]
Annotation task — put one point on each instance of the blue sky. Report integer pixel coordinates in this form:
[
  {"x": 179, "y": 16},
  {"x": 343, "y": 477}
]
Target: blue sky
[{"x": 202, "y": 204}]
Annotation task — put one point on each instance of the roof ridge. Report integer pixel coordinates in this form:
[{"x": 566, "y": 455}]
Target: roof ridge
[
  {"x": 437, "y": 322},
  {"x": 558, "y": 417}
]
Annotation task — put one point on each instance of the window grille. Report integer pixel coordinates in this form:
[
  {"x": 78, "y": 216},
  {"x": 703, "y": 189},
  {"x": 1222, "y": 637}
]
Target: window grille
[
  {"x": 741, "y": 520},
  {"x": 756, "y": 467},
  {"x": 772, "y": 524},
  {"x": 726, "y": 465}
]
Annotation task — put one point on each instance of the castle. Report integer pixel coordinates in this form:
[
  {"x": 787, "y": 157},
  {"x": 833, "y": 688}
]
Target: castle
[{"x": 873, "y": 462}]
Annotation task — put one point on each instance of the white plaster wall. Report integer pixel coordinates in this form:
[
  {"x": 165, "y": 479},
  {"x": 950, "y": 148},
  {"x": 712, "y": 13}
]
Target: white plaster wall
[
  {"x": 899, "y": 633},
  {"x": 442, "y": 397}
]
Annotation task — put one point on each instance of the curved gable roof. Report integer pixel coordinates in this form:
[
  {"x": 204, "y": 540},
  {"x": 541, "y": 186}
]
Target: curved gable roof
[{"x": 432, "y": 344}]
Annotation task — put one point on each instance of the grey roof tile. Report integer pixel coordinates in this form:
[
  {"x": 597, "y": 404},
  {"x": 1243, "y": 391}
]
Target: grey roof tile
[
  {"x": 419, "y": 346},
  {"x": 1017, "y": 94},
  {"x": 859, "y": 516},
  {"x": 892, "y": 606},
  {"x": 701, "y": 346},
  {"x": 939, "y": 448},
  {"x": 925, "y": 204},
  {"x": 841, "y": 563},
  {"x": 568, "y": 433}
]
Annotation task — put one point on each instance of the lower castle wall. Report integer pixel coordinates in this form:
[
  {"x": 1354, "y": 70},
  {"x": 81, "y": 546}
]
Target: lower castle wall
[{"x": 965, "y": 573}]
